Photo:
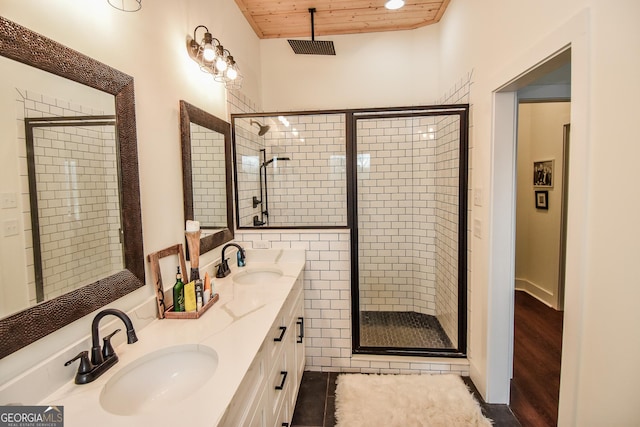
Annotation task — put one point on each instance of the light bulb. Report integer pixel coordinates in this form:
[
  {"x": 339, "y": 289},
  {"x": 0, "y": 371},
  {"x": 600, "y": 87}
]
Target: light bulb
[
  {"x": 221, "y": 62},
  {"x": 394, "y": 4},
  {"x": 232, "y": 73},
  {"x": 208, "y": 53}
]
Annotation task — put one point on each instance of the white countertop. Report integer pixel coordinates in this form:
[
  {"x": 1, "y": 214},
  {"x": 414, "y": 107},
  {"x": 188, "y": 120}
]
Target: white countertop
[{"x": 235, "y": 327}]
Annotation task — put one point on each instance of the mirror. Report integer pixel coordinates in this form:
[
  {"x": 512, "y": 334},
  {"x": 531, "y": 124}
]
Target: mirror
[
  {"x": 27, "y": 326},
  {"x": 206, "y": 174}
]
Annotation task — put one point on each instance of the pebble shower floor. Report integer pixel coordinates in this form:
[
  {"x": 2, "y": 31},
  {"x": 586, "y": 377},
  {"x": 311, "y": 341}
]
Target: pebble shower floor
[{"x": 401, "y": 329}]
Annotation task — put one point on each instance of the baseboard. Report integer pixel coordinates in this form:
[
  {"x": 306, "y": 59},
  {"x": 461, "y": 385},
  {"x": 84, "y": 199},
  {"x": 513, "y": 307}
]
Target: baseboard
[{"x": 536, "y": 291}]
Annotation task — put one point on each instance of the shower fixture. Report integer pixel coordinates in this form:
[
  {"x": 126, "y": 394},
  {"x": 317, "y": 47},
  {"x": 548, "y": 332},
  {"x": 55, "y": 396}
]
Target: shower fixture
[
  {"x": 263, "y": 128},
  {"x": 264, "y": 194},
  {"x": 268, "y": 162},
  {"x": 313, "y": 46}
]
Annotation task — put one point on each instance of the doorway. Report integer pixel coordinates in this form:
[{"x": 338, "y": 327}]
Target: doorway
[
  {"x": 570, "y": 39},
  {"x": 541, "y": 184}
]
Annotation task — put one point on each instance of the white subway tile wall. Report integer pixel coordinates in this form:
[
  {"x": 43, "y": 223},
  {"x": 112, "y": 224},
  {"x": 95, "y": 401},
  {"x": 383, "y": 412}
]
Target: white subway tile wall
[
  {"x": 78, "y": 202},
  {"x": 207, "y": 161},
  {"x": 327, "y": 293},
  {"x": 396, "y": 212},
  {"x": 248, "y": 160},
  {"x": 247, "y": 144},
  {"x": 309, "y": 189},
  {"x": 408, "y": 216},
  {"x": 460, "y": 93},
  {"x": 446, "y": 224}
]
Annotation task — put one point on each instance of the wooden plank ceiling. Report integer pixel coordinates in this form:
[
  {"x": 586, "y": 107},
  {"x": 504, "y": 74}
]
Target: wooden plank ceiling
[{"x": 291, "y": 18}]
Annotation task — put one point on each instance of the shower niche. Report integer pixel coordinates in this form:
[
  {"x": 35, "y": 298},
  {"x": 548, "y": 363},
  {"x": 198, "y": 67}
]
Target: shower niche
[{"x": 397, "y": 179}]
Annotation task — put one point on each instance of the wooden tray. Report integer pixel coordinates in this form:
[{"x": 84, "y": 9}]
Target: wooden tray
[
  {"x": 165, "y": 312},
  {"x": 170, "y": 314}
]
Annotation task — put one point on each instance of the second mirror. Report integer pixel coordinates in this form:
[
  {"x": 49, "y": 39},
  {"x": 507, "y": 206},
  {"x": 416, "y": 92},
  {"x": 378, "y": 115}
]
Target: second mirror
[{"x": 206, "y": 168}]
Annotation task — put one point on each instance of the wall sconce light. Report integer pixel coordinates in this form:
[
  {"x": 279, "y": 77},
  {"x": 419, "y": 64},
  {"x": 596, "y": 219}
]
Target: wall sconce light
[
  {"x": 126, "y": 5},
  {"x": 214, "y": 59}
]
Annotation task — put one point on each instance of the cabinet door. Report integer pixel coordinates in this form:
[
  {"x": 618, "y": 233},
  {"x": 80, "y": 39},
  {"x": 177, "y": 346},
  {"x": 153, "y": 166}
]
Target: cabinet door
[
  {"x": 243, "y": 403},
  {"x": 261, "y": 415},
  {"x": 283, "y": 417}
]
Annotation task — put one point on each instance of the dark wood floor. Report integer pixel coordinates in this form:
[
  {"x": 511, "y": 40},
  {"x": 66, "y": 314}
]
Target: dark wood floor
[{"x": 536, "y": 362}]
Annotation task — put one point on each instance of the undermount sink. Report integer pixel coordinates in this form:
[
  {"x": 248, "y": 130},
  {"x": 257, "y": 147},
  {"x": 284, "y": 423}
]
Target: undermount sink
[
  {"x": 157, "y": 379},
  {"x": 254, "y": 276}
]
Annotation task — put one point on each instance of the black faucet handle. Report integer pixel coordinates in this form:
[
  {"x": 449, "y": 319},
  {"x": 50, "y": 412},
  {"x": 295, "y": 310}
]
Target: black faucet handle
[
  {"x": 223, "y": 269},
  {"x": 85, "y": 364},
  {"x": 107, "y": 348}
]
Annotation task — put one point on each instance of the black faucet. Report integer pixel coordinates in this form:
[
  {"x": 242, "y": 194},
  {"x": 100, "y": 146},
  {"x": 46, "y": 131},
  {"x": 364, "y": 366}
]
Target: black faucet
[
  {"x": 101, "y": 359},
  {"x": 223, "y": 267}
]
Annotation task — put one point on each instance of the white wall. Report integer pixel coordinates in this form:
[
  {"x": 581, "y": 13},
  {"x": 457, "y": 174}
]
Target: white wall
[
  {"x": 538, "y": 231},
  {"x": 369, "y": 70},
  {"x": 150, "y": 46},
  {"x": 601, "y": 347}
]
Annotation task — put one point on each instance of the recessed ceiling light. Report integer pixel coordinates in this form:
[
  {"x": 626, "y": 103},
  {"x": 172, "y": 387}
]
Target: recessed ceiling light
[{"x": 394, "y": 4}]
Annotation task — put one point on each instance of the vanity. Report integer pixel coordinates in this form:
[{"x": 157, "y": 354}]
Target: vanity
[{"x": 239, "y": 364}]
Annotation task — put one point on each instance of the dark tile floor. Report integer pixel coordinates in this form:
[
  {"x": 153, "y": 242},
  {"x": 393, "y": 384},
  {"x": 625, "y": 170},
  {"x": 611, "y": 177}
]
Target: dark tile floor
[
  {"x": 401, "y": 329},
  {"x": 316, "y": 403}
]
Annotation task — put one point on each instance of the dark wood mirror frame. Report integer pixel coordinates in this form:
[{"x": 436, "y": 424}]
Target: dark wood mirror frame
[
  {"x": 191, "y": 114},
  {"x": 25, "y": 327}
]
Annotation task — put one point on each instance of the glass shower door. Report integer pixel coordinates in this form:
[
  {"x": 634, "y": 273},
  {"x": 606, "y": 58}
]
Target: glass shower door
[{"x": 411, "y": 223}]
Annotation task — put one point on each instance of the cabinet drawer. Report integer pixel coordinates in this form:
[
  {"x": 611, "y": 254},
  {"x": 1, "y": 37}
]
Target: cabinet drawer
[
  {"x": 275, "y": 341},
  {"x": 279, "y": 379}
]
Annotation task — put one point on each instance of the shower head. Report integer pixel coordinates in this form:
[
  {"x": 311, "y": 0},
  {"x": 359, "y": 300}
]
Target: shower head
[
  {"x": 313, "y": 46},
  {"x": 263, "y": 128}
]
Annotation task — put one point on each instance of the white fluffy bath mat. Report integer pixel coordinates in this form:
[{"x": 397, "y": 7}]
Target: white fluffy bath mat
[{"x": 406, "y": 401}]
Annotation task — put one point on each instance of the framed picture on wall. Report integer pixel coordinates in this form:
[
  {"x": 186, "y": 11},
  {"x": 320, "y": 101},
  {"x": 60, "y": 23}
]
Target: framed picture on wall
[
  {"x": 543, "y": 173},
  {"x": 542, "y": 199}
]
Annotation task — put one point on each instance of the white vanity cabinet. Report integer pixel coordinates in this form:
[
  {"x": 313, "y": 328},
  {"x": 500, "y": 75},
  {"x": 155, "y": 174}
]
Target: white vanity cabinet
[{"x": 268, "y": 392}]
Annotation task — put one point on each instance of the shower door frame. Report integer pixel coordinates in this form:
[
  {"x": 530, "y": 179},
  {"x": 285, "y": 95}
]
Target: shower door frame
[{"x": 462, "y": 110}]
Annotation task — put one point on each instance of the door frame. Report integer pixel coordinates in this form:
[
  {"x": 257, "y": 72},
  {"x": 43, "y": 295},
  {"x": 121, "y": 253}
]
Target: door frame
[{"x": 499, "y": 339}]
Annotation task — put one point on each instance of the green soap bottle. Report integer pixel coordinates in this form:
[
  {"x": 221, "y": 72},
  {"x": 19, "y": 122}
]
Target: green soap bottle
[{"x": 178, "y": 293}]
